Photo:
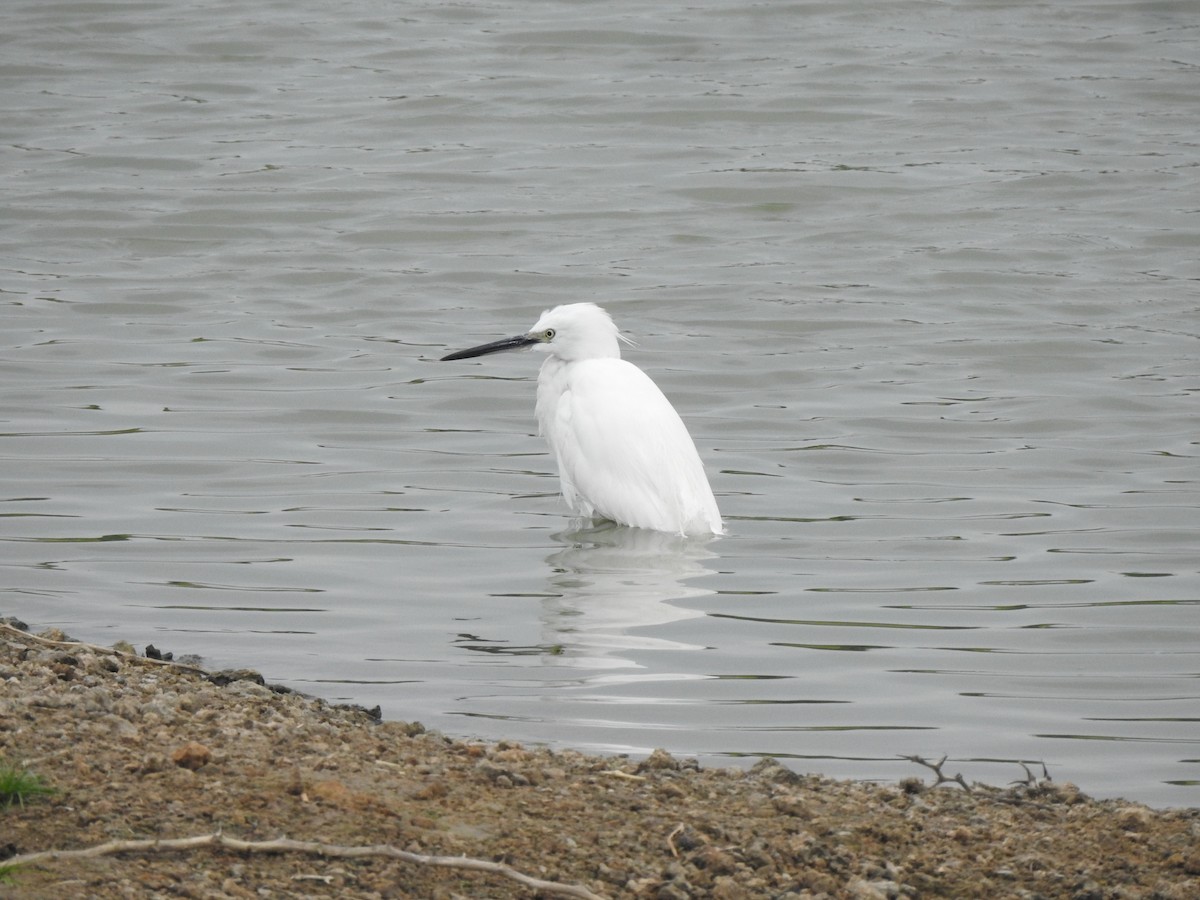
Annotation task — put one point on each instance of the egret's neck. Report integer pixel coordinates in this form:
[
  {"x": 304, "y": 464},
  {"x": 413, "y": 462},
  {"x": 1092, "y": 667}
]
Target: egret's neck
[{"x": 551, "y": 372}]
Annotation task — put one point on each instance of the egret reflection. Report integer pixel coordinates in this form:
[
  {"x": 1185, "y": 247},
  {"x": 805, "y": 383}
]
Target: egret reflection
[{"x": 611, "y": 588}]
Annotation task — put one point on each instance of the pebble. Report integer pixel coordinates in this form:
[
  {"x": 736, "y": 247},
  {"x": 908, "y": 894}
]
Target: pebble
[
  {"x": 192, "y": 755},
  {"x": 121, "y": 742}
]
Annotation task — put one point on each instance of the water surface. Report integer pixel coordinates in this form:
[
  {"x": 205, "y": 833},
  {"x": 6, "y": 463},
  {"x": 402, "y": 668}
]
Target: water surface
[{"x": 921, "y": 277}]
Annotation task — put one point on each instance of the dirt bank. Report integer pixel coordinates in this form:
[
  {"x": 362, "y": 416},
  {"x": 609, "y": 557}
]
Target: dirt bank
[{"x": 137, "y": 750}]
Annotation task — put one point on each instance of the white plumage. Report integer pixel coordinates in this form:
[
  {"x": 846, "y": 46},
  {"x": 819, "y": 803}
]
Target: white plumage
[{"x": 622, "y": 451}]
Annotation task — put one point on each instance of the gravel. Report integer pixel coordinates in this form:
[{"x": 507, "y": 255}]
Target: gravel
[{"x": 137, "y": 748}]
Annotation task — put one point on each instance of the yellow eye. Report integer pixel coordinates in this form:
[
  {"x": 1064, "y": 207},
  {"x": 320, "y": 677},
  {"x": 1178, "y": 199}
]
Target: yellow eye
[{"x": 549, "y": 334}]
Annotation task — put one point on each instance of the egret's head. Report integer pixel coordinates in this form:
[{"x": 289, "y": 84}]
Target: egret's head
[
  {"x": 571, "y": 332},
  {"x": 577, "y": 331}
]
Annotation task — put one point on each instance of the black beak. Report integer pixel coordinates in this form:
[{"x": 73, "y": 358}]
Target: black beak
[{"x": 512, "y": 343}]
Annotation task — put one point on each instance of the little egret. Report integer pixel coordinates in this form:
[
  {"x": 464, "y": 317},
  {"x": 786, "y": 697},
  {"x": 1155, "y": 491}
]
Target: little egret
[{"x": 622, "y": 451}]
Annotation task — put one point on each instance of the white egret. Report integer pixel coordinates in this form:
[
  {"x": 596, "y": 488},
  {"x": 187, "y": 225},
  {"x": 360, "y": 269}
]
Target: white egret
[{"x": 622, "y": 451}]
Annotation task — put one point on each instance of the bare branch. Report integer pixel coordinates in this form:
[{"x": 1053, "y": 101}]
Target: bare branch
[
  {"x": 671, "y": 840},
  {"x": 937, "y": 770},
  {"x": 617, "y": 773},
  {"x": 7, "y": 629}
]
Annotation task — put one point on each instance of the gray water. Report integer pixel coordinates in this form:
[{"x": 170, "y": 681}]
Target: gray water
[{"x": 923, "y": 279}]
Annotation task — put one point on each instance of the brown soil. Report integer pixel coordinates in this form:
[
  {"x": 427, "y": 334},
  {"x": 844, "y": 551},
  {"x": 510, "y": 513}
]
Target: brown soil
[{"x": 137, "y": 749}]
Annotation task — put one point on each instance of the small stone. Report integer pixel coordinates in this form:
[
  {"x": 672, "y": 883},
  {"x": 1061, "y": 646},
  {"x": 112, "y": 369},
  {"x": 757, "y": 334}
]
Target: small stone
[
  {"x": 494, "y": 773},
  {"x": 672, "y": 891},
  {"x": 726, "y": 888},
  {"x": 1088, "y": 890},
  {"x": 658, "y": 760},
  {"x": 715, "y": 860},
  {"x": 512, "y": 754},
  {"x": 248, "y": 688},
  {"x": 670, "y": 791},
  {"x": 1191, "y": 863},
  {"x": 770, "y": 769},
  {"x": 334, "y": 793},
  {"x": 192, "y": 756},
  {"x": 1133, "y": 818},
  {"x": 296, "y": 785},
  {"x": 1066, "y": 792},
  {"x": 865, "y": 890},
  {"x": 790, "y": 805},
  {"x": 229, "y": 676},
  {"x": 432, "y": 791},
  {"x": 154, "y": 762}
]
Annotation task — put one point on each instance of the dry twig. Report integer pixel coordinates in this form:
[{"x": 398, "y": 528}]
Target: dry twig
[
  {"x": 286, "y": 845},
  {"x": 671, "y": 840},
  {"x": 937, "y": 770},
  {"x": 1031, "y": 780},
  {"x": 618, "y": 773}
]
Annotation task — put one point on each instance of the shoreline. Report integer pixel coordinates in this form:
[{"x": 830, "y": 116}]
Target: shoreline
[{"x": 137, "y": 749}]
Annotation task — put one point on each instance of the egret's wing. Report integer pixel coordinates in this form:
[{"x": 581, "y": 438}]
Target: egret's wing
[{"x": 624, "y": 452}]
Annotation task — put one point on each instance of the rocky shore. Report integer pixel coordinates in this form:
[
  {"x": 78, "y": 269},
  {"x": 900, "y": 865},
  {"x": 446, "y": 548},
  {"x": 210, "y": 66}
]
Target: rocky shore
[{"x": 142, "y": 750}]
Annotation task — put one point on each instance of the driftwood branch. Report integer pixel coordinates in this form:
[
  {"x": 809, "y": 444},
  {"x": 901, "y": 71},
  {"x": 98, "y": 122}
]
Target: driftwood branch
[
  {"x": 671, "y": 840},
  {"x": 1031, "y": 780},
  {"x": 312, "y": 848},
  {"x": 937, "y": 770},
  {"x": 8, "y": 630}
]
